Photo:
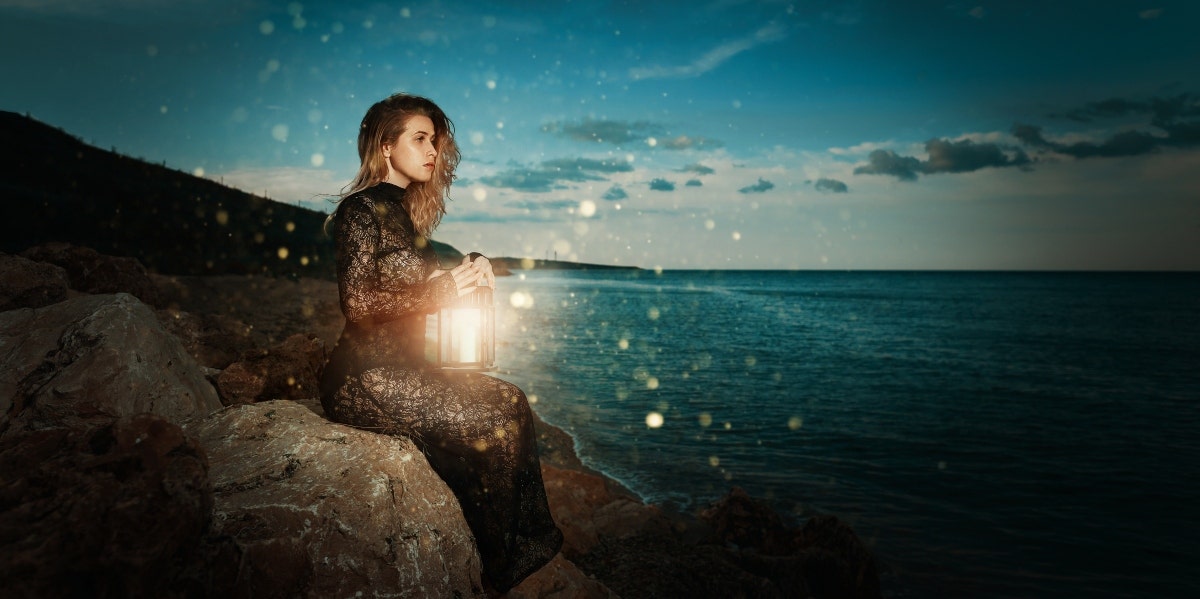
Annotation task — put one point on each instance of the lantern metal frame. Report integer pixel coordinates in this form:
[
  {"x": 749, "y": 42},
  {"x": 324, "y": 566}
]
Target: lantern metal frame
[{"x": 466, "y": 333}]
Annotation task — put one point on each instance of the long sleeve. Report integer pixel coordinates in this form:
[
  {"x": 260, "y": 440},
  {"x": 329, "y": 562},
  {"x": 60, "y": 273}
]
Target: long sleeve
[
  {"x": 476, "y": 431},
  {"x": 382, "y": 274}
]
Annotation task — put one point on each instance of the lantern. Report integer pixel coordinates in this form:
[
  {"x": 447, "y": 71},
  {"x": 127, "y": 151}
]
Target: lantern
[{"x": 466, "y": 337}]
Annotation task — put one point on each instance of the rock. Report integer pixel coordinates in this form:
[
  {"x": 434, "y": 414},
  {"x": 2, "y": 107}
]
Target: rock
[
  {"x": 586, "y": 508},
  {"x": 836, "y": 562},
  {"x": 560, "y": 579},
  {"x": 90, "y": 271},
  {"x": 289, "y": 370},
  {"x": 739, "y": 519},
  {"x": 118, "y": 511},
  {"x": 274, "y": 308},
  {"x": 319, "y": 509},
  {"x": 824, "y": 559},
  {"x": 214, "y": 340},
  {"x": 92, "y": 359},
  {"x": 26, "y": 283},
  {"x": 661, "y": 566}
]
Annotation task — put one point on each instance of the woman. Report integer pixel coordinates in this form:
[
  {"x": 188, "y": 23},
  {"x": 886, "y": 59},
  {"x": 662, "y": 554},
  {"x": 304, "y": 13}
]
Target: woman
[{"x": 476, "y": 431}]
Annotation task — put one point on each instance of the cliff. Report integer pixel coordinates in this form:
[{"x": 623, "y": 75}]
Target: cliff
[{"x": 56, "y": 188}]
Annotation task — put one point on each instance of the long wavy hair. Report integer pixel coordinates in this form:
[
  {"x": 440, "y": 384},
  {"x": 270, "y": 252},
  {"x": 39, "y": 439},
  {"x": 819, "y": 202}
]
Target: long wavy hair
[{"x": 383, "y": 124}]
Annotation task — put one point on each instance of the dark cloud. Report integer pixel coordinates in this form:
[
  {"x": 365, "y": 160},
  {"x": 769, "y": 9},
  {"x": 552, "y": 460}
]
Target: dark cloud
[
  {"x": 1178, "y": 117},
  {"x": 965, "y": 156},
  {"x": 694, "y": 183},
  {"x": 699, "y": 169},
  {"x": 552, "y": 174},
  {"x": 622, "y": 133},
  {"x": 945, "y": 156},
  {"x": 603, "y": 131},
  {"x": 762, "y": 186},
  {"x": 1030, "y": 135},
  {"x": 579, "y": 165},
  {"x": 887, "y": 162},
  {"x": 1126, "y": 143},
  {"x": 615, "y": 193},
  {"x": 661, "y": 185},
  {"x": 830, "y": 185}
]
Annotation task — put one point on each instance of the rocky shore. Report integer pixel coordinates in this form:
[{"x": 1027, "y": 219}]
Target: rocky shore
[{"x": 160, "y": 436}]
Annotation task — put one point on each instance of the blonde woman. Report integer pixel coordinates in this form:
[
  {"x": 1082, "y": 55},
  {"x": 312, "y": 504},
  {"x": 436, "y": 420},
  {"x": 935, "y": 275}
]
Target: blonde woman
[{"x": 476, "y": 431}]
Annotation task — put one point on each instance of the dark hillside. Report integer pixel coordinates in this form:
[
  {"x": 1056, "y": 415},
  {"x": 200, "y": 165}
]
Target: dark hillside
[{"x": 54, "y": 187}]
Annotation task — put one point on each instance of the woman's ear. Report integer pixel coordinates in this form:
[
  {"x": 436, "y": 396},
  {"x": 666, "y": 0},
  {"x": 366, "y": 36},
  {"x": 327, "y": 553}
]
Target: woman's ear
[{"x": 387, "y": 150}]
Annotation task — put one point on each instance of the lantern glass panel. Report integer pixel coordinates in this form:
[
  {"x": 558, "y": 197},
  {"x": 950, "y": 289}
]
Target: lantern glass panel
[{"x": 466, "y": 332}]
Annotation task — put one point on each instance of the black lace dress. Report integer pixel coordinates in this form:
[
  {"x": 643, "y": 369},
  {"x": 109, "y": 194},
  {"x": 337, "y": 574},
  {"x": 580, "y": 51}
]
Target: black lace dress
[{"x": 476, "y": 431}]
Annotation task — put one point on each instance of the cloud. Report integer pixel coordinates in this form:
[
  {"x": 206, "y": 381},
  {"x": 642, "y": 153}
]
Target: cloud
[
  {"x": 1177, "y": 117},
  {"x": 830, "y": 185},
  {"x": 945, "y": 156},
  {"x": 552, "y": 174},
  {"x": 978, "y": 12},
  {"x": 623, "y": 133},
  {"x": 604, "y": 131},
  {"x": 1150, "y": 13},
  {"x": 887, "y": 162},
  {"x": 615, "y": 193},
  {"x": 965, "y": 156},
  {"x": 862, "y": 148},
  {"x": 684, "y": 142},
  {"x": 1126, "y": 143},
  {"x": 659, "y": 184},
  {"x": 761, "y": 187},
  {"x": 711, "y": 59},
  {"x": 694, "y": 183},
  {"x": 697, "y": 168}
]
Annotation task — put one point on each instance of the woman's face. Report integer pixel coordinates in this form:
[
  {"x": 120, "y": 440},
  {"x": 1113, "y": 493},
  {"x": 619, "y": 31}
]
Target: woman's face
[{"x": 412, "y": 156}]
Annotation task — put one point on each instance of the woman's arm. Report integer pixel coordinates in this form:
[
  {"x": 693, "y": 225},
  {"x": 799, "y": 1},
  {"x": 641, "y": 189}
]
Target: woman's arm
[
  {"x": 367, "y": 292},
  {"x": 474, "y": 270}
]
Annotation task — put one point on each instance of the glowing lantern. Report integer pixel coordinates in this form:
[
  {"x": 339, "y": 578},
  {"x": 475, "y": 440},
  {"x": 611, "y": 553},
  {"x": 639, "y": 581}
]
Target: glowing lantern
[{"x": 466, "y": 338}]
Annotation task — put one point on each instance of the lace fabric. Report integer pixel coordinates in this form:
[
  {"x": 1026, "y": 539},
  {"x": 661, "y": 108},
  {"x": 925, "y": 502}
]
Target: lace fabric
[{"x": 476, "y": 431}]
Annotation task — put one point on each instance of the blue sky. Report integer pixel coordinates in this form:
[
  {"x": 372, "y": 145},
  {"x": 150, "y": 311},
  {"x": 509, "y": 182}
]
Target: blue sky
[{"x": 727, "y": 134}]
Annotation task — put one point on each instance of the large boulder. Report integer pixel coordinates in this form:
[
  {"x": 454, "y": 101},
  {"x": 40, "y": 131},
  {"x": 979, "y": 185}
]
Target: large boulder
[
  {"x": 112, "y": 511},
  {"x": 319, "y": 509},
  {"x": 25, "y": 283},
  {"x": 92, "y": 359}
]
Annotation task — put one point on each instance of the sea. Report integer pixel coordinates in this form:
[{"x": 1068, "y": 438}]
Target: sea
[{"x": 986, "y": 434}]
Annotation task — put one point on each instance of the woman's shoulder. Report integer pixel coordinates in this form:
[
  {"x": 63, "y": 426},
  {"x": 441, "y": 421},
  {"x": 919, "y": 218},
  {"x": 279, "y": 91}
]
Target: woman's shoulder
[{"x": 363, "y": 202}]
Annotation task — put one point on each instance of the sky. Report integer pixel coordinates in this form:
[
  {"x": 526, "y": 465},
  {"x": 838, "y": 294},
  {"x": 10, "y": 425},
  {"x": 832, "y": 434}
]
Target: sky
[{"x": 725, "y": 134}]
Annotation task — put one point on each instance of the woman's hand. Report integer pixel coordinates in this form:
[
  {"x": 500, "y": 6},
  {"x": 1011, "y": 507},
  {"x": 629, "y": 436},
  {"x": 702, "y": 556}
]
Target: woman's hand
[
  {"x": 484, "y": 266},
  {"x": 471, "y": 274}
]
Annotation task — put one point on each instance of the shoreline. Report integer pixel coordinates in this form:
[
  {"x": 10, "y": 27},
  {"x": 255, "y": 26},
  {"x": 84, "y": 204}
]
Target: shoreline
[{"x": 257, "y": 346}]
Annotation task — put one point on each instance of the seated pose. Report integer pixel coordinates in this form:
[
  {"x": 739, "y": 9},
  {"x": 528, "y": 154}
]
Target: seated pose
[{"x": 476, "y": 431}]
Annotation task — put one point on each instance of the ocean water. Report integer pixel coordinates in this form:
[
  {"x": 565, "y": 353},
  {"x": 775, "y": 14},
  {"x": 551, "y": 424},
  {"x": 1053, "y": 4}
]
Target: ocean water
[{"x": 987, "y": 434}]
